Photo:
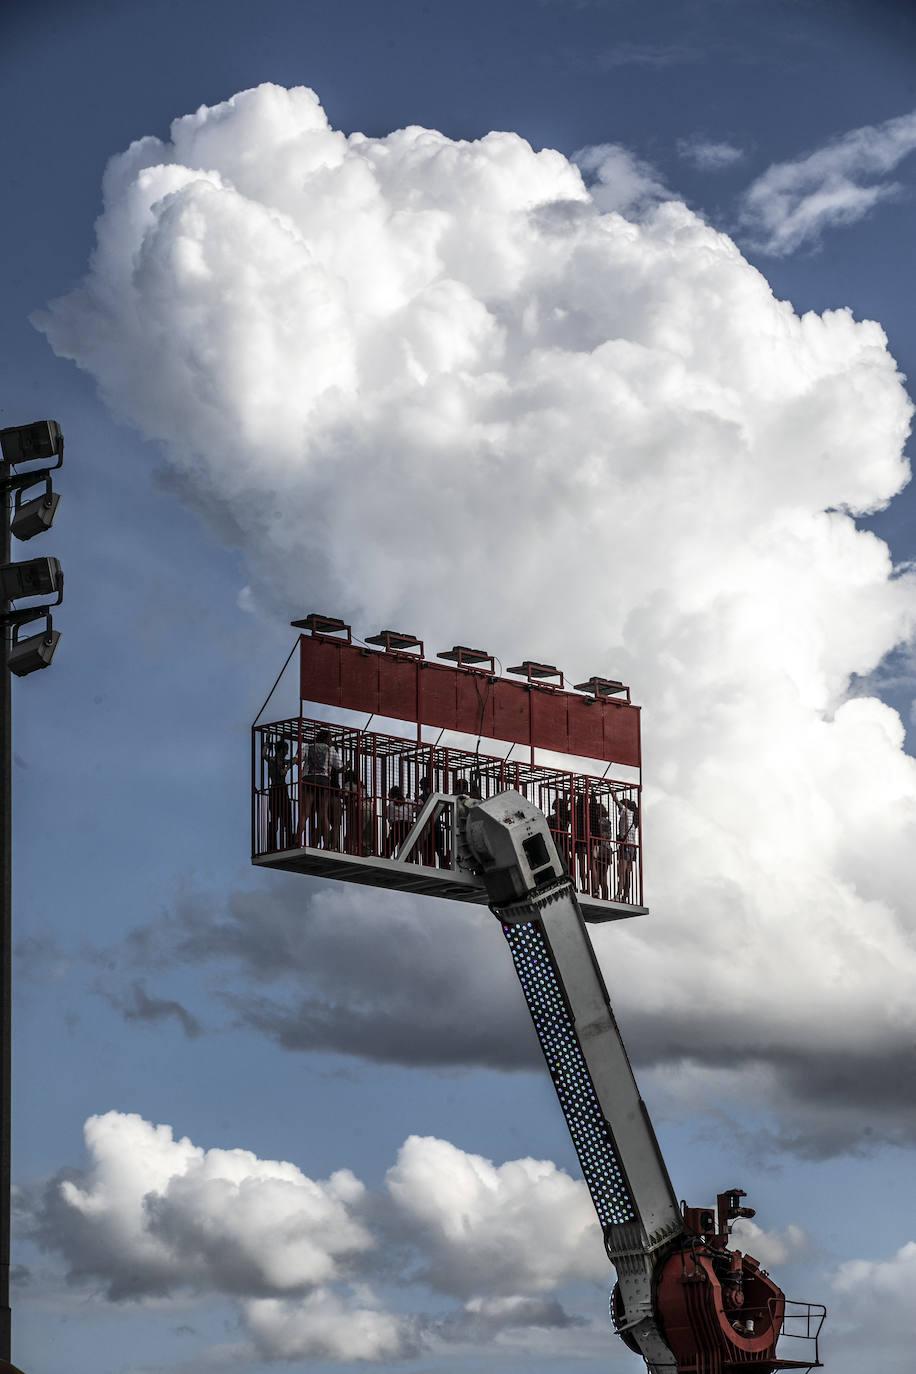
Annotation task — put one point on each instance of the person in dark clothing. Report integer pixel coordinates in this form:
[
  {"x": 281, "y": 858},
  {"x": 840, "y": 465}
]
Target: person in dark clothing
[
  {"x": 587, "y": 814},
  {"x": 558, "y": 820},
  {"x": 279, "y": 809}
]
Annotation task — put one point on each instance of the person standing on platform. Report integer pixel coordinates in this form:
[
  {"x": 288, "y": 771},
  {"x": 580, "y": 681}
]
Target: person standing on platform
[
  {"x": 558, "y": 820},
  {"x": 627, "y": 829},
  {"x": 322, "y": 779},
  {"x": 400, "y": 817},
  {"x": 279, "y": 809}
]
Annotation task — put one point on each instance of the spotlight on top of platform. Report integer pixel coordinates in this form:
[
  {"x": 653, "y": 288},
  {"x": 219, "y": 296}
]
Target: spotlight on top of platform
[
  {"x": 603, "y": 687},
  {"x": 394, "y": 640},
  {"x": 468, "y": 658},
  {"x": 537, "y": 672},
  {"x": 322, "y": 625}
]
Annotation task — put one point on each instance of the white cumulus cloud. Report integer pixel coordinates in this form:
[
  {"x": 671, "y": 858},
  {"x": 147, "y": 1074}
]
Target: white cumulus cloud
[
  {"x": 619, "y": 181},
  {"x": 892, "y": 1279},
  {"x": 437, "y": 383},
  {"x": 520, "y": 1227},
  {"x": 155, "y": 1215},
  {"x": 325, "y": 1326},
  {"x": 771, "y": 1247},
  {"x": 793, "y": 203},
  {"x": 304, "y": 1260},
  {"x": 875, "y": 1305}
]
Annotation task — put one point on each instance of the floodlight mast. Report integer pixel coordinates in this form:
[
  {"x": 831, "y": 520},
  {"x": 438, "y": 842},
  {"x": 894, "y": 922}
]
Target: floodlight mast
[
  {"x": 6, "y": 930},
  {"x": 26, "y": 445}
]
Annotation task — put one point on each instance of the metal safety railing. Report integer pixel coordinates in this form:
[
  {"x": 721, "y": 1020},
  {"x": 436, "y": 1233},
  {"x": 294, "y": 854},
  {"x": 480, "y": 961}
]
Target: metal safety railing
[
  {"x": 359, "y": 792},
  {"x": 802, "y": 1322}
]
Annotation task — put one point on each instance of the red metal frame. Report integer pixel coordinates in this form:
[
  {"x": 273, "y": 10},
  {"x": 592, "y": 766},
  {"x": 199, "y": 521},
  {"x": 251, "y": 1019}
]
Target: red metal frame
[
  {"x": 400, "y": 685},
  {"x": 719, "y": 1312}
]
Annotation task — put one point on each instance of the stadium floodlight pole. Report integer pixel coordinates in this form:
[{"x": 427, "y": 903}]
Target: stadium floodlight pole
[
  {"x": 22, "y": 446},
  {"x": 6, "y": 930}
]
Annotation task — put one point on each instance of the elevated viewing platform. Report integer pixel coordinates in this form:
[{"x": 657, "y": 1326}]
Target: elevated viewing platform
[{"x": 340, "y": 800}]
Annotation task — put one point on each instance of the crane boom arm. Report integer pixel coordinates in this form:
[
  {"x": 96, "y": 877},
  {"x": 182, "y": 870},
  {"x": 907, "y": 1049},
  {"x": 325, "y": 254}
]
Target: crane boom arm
[
  {"x": 683, "y": 1300},
  {"x": 566, "y": 995}
]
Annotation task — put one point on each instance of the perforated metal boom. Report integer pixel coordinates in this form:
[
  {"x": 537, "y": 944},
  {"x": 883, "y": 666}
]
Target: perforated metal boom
[{"x": 535, "y": 901}]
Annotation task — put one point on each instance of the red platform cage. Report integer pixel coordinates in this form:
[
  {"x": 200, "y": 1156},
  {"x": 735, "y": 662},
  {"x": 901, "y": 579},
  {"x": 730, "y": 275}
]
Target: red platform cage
[{"x": 374, "y": 805}]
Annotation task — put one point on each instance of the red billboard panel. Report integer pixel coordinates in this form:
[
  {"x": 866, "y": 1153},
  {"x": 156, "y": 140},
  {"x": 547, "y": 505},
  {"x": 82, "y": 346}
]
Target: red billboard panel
[
  {"x": 510, "y": 711},
  {"x": 474, "y": 702},
  {"x": 438, "y": 696},
  {"x": 323, "y": 670},
  {"x": 621, "y": 733},
  {"x": 358, "y": 680},
  {"x": 549, "y": 724},
  {"x": 397, "y": 687},
  {"x": 586, "y": 728}
]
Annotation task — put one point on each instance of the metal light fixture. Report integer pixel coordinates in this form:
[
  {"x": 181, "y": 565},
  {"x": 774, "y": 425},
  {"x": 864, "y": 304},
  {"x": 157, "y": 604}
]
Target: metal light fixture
[
  {"x": 34, "y": 516},
  {"x": 603, "y": 687},
  {"x": 536, "y": 672},
  {"x": 391, "y": 640},
  {"x": 35, "y": 577},
  {"x": 32, "y": 443},
  {"x": 36, "y": 651},
  {"x": 467, "y": 658},
  {"x": 322, "y": 625}
]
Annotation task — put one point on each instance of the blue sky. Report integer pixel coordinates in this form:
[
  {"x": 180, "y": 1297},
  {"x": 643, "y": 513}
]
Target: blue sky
[{"x": 661, "y": 508}]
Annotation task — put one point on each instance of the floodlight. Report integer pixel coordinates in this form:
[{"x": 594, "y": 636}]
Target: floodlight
[
  {"x": 28, "y": 443},
  {"x": 395, "y": 639},
  {"x": 602, "y": 687},
  {"x": 322, "y": 625},
  {"x": 28, "y": 655},
  {"x": 463, "y": 656},
  {"x": 36, "y": 577},
  {"x": 35, "y": 516},
  {"x": 531, "y": 670}
]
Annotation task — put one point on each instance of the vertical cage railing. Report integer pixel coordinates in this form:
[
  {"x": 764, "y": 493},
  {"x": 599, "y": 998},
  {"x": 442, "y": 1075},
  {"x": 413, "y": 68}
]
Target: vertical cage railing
[{"x": 359, "y": 792}]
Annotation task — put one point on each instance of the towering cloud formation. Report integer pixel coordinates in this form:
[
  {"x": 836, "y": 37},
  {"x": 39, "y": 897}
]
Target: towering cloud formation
[{"x": 435, "y": 383}]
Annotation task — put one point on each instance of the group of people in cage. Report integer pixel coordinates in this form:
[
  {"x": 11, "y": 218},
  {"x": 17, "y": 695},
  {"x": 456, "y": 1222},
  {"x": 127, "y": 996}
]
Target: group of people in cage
[
  {"x": 339, "y": 813},
  {"x": 599, "y": 849}
]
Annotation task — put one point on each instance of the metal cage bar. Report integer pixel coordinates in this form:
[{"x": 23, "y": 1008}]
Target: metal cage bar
[{"x": 349, "y": 791}]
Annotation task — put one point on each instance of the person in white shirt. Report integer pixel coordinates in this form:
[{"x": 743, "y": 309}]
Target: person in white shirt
[
  {"x": 322, "y": 786},
  {"x": 401, "y": 813}
]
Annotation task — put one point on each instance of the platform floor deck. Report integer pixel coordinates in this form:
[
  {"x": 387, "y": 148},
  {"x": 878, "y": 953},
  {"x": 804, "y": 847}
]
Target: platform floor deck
[{"x": 376, "y": 871}]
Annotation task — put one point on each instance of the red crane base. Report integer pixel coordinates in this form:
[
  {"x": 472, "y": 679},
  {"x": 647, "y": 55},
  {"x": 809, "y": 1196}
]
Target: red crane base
[{"x": 719, "y": 1312}]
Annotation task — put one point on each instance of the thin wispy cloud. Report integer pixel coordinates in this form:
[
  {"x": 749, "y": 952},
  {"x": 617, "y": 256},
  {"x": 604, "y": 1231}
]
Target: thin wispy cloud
[
  {"x": 708, "y": 156},
  {"x": 618, "y": 180},
  {"x": 794, "y": 203}
]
